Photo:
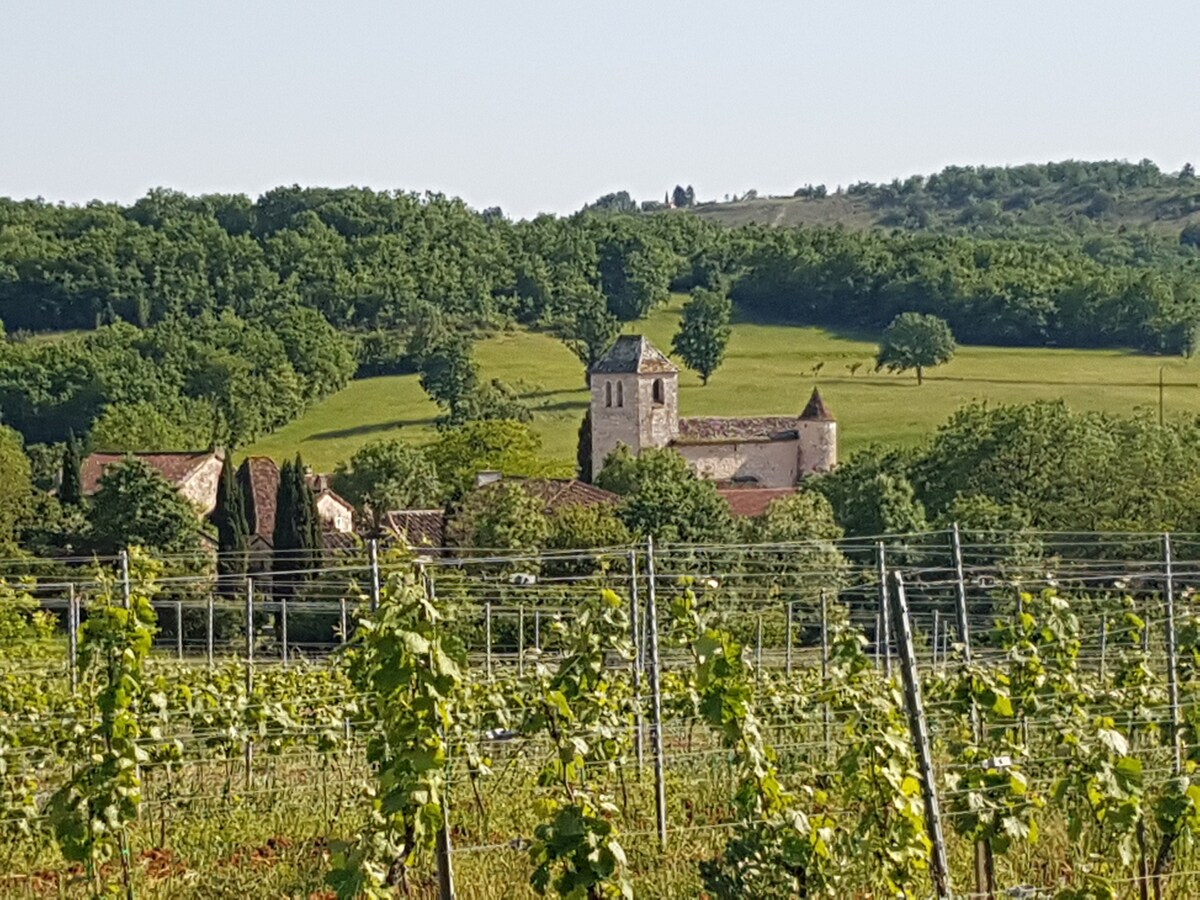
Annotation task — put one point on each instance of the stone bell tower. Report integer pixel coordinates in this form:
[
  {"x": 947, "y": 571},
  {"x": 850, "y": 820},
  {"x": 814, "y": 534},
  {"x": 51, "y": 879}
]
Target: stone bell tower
[{"x": 635, "y": 399}]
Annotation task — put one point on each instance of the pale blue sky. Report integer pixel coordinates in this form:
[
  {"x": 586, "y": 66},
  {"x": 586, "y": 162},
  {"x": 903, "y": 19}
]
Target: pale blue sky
[{"x": 535, "y": 105}]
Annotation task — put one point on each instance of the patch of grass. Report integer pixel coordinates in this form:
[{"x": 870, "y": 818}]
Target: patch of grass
[
  {"x": 51, "y": 337},
  {"x": 770, "y": 368}
]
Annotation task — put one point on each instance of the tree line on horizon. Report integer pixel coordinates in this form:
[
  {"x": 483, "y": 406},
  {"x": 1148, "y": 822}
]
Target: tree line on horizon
[{"x": 216, "y": 319}]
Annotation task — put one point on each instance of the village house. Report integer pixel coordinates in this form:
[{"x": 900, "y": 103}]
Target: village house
[
  {"x": 754, "y": 459},
  {"x": 195, "y": 474},
  {"x": 259, "y": 476},
  {"x": 553, "y": 493},
  {"x": 425, "y": 530}
]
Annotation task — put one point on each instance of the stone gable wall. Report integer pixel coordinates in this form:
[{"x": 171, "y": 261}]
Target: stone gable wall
[
  {"x": 200, "y": 488},
  {"x": 773, "y": 463}
]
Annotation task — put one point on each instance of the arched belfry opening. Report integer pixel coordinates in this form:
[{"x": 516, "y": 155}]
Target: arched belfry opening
[{"x": 634, "y": 390}]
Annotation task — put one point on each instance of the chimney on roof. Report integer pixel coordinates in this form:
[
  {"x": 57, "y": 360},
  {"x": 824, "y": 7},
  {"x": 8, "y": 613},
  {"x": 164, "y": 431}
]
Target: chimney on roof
[{"x": 487, "y": 477}]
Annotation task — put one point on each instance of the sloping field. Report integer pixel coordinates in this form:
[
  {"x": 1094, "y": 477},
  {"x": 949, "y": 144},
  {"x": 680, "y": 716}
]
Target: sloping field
[{"x": 769, "y": 369}]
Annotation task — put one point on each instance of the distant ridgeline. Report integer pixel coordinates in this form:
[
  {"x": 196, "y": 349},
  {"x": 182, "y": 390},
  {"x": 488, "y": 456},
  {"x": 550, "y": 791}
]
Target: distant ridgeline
[{"x": 227, "y": 316}]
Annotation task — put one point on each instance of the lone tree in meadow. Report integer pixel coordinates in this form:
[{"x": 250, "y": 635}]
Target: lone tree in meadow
[
  {"x": 704, "y": 331},
  {"x": 915, "y": 341},
  {"x": 449, "y": 376}
]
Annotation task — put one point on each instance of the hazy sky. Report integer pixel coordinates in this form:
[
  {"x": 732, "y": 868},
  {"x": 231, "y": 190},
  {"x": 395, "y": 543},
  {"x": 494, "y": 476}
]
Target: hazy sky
[{"x": 542, "y": 106}]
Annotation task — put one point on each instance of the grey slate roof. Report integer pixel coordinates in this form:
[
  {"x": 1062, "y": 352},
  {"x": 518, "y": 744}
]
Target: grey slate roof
[
  {"x": 715, "y": 430},
  {"x": 633, "y": 353}
]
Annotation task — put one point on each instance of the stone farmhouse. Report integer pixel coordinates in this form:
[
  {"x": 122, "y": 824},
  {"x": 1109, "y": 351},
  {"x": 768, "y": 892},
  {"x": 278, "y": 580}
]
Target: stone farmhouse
[
  {"x": 635, "y": 402},
  {"x": 195, "y": 474},
  {"x": 259, "y": 476}
]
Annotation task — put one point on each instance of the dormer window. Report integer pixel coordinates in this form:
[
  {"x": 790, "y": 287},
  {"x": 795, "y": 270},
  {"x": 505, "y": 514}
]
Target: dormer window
[
  {"x": 620, "y": 393},
  {"x": 608, "y": 393},
  {"x": 658, "y": 393}
]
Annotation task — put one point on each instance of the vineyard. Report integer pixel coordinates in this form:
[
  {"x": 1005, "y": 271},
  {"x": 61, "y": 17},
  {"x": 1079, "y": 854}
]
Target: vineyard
[{"x": 999, "y": 715}]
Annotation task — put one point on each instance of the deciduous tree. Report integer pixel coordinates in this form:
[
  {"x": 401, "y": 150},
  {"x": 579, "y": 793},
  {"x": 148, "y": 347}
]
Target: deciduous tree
[
  {"x": 511, "y": 448},
  {"x": 450, "y": 376},
  {"x": 664, "y": 498},
  {"x": 915, "y": 341},
  {"x": 500, "y": 516},
  {"x": 387, "y": 475},
  {"x": 704, "y": 331},
  {"x": 590, "y": 329},
  {"x": 136, "y": 507}
]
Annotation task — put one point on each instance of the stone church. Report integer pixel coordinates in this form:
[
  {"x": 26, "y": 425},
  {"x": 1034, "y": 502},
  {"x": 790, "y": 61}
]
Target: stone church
[{"x": 635, "y": 402}]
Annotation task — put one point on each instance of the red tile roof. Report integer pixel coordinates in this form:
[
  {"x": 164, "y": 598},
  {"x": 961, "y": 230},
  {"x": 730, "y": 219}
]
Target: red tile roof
[
  {"x": 752, "y": 501},
  {"x": 713, "y": 430},
  {"x": 175, "y": 467},
  {"x": 338, "y": 540},
  {"x": 260, "y": 484},
  {"x": 555, "y": 493},
  {"x": 418, "y": 527}
]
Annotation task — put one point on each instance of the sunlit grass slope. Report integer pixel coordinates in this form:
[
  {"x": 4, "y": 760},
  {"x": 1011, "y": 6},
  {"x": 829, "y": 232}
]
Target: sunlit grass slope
[{"x": 768, "y": 369}]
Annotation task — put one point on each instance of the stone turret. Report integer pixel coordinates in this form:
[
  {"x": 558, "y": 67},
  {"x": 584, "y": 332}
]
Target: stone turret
[
  {"x": 818, "y": 437},
  {"x": 635, "y": 399}
]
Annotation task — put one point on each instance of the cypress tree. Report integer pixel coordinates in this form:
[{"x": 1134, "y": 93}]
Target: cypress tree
[
  {"x": 284, "y": 538},
  {"x": 308, "y": 522},
  {"x": 233, "y": 530},
  {"x": 583, "y": 448},
  {"x": 70, "y": 490}
]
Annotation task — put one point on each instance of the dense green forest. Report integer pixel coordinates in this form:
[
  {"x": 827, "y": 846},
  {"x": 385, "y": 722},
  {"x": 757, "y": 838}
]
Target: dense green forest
[{"x": 189, "y": 320}]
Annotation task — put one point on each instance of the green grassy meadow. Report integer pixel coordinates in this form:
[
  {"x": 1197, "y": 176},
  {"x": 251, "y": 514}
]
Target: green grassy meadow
[{"x": 769, "y": 368}]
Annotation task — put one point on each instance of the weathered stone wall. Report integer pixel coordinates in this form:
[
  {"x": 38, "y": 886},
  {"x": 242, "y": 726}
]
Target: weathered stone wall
[
  {"x": 334, "y": 514},
  {"x": 818, "y": 446},
  {"x": 200, "y": 488},
  {"x": 624, "y": 411},
  {"x": 773, "y": 463},
  {"x": 658, "y": 422},
  {"x": 614, "y": 416}
]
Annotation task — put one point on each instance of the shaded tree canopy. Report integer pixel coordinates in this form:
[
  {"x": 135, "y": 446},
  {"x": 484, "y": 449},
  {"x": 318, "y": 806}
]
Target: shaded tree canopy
[
  {"x": 388, "y": 475},
  {"x": 501, "y": 445},
  {"x": 1039, "y": 465},
  {"x": 233, "y": 529},
  {"x": 664, "y": 498},
  {"x": 136, "y": 507},
  {"x": 253, "y": 309},
  {"x": 70, "y": 490},
  {"x": 500, "y": 516}
]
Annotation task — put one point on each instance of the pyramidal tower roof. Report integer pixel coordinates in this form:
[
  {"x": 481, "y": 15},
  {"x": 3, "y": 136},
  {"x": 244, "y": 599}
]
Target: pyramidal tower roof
[
  {"x": 816, "y": 410},
  {"x": 633, "y": 353}
]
